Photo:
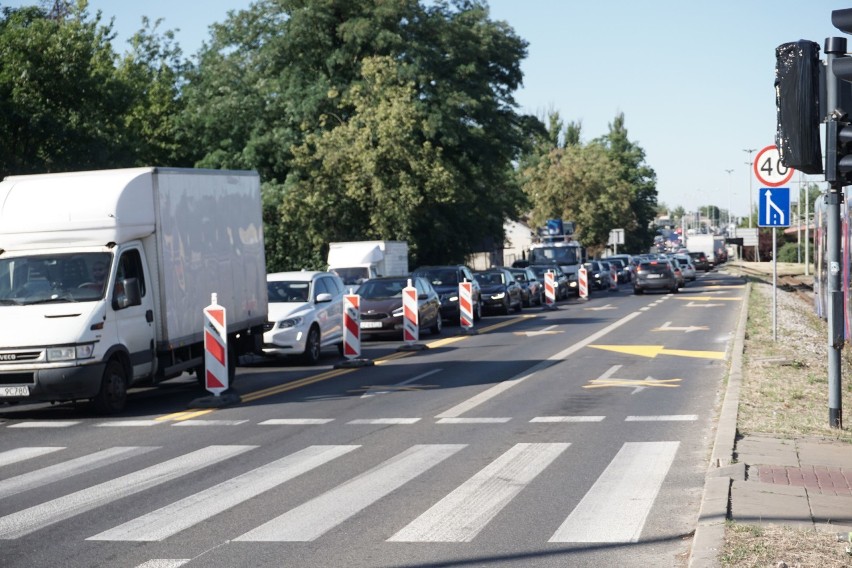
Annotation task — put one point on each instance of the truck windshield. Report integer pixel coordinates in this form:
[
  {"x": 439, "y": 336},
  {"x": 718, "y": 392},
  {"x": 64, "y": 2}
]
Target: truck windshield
[
  {"x": 559, "y": 255},
  {"x": 72, "y": 277}
]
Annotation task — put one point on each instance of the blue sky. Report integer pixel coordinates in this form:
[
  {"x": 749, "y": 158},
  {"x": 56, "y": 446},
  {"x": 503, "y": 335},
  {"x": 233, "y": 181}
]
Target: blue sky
[{"x": 693, "y": 79}]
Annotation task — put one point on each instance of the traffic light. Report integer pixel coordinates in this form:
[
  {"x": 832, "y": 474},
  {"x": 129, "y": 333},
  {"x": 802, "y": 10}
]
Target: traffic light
[
  {"x": 838, "y": 159},
  {"x": 797, "y": 83}
]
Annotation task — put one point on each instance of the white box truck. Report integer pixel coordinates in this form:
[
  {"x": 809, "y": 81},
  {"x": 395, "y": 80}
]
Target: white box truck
[
  {"x": 710, "y": 245},
  {"x": 104, "y": 276},
  {"x": 356, "y": 261}
]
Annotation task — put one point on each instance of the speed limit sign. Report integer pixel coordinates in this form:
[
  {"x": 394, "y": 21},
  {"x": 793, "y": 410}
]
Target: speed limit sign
[{"x": 768, "y": 168}]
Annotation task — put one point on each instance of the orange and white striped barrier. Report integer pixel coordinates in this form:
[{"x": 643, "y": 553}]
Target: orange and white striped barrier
[
  {"x": 410, "y": 320},
  {"x": 215, "y": 348},
  {"x": 549, "y": 289},
  {"x": 351, "y": 326},
  {"x": 613, "y": 278},
  {"x": 352, "y": 333},
  {"x": 583, "y": 282},
  {"x": 466, "y": 305}
]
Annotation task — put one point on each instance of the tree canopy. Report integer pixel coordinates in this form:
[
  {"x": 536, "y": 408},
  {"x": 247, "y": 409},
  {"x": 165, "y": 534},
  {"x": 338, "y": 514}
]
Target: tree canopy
[{"x": 366, "y": 119}]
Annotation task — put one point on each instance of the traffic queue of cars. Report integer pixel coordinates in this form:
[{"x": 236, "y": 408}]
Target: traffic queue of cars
[{"x": 306, "y": 307}]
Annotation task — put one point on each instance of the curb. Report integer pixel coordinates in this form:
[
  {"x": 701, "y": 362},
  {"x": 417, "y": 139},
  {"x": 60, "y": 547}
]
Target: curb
[{"x": 709, "y": 538}]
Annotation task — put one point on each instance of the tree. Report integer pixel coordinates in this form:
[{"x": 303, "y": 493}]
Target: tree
[
  {"x": 61, "y": 104},
  {"x": 279, "y": 76},
  {"x": 641, "y": 181}
]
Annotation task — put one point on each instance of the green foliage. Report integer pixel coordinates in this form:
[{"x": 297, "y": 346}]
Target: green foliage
[
  {"x": 379, "y": 119},
  {"x": 67, "y": 104},
  {"x": 793, "y": 252},
  {"x": 600, "y": 186}
]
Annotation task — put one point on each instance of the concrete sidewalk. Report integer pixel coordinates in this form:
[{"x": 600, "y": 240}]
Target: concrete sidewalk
[{"x": 802, "y": 483}]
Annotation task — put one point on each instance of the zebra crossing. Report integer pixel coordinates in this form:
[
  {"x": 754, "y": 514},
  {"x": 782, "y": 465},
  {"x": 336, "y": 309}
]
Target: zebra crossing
[{"x": 626, "y": 490}]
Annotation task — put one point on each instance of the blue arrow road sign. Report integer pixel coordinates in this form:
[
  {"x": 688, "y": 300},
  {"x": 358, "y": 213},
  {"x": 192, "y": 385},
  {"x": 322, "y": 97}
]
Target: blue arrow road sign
[{"x": 773, "y": 207}]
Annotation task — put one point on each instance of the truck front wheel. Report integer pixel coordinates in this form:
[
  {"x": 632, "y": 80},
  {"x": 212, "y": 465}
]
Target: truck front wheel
[{"x": 113, "y": 394}]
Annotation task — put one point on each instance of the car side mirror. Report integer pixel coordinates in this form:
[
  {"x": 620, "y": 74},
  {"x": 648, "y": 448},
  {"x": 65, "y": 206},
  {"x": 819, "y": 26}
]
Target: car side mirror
[{"x": 323, "y": 298}]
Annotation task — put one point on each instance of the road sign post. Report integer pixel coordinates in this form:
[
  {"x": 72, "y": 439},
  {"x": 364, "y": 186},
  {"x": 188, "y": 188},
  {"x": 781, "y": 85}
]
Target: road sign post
[{"x": 774, "y": 211}]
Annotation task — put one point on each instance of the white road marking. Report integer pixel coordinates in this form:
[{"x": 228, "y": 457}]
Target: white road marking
[
  {"x": 462, "y": 514},
  {"x": 501, "y": 387},
  {"x": 53, "y": 424},
  {"x": 209, "y": 422},
  {"x": 64, "y": 470},
  {"x": 129, "y": 423},
  {"x": 314, "y": 518},
  {"x": 615, "y": 508},
  {"x": 473, "y": 420},
  {"x": 171, "y": 519},
  {"x": 556, "y": 419},
  {"x": 38, "y": 517},
  {"x": 384, "y": 421},
  {"x": 295, "y": 421},
  {"x": 21, "y": 454}
]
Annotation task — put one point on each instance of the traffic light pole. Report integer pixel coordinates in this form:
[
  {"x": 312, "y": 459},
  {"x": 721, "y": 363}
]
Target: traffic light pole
[{"x": 834, "y": 47}]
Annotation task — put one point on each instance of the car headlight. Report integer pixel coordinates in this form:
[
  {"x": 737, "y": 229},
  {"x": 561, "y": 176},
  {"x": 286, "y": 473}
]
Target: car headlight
[
  {"x": 290, "y": 322},
  {"x": 498, "y": 296},
  {"x": 453, "y": 298},
  {"x": 71, "y": 352},
  {"x": 397, "y": 313}
]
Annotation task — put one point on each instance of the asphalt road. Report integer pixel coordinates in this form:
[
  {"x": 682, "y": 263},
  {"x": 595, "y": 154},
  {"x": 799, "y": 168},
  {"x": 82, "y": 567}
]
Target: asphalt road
[{"x": 578, "y": 436}]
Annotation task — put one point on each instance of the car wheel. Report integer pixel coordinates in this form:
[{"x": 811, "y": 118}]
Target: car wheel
[
  {"x": 638, "y": 291},
  {"x": 312, "y": 346},
  {"x": 519, "y": 306},
  {"x": 477, "y": 311},
  {"x": 675, "y": 289},
  {"x": 504, "y": 308},
  {"x": 113, "y": 393},
  {"x": 527, "y": 301},
  {"x": 437, "y": 326}
]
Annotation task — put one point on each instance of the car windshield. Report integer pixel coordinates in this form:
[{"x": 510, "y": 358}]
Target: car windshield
[
  {"x": 288, "y": 291},
  {"x": 72, "y": 277},
  {"x": 380, "y": 289},
  {"x": 489, "y": 278},
  {"x": 445, "y": 277},
  {"x": 520, "y": 276}
]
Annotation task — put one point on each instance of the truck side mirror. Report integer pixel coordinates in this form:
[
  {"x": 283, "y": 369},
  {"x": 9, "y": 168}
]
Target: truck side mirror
[{"x": 126, "y": 294}]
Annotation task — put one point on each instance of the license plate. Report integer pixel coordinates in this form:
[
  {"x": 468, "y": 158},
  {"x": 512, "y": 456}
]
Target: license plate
[
  {"x": 370, "y": 324},
  {"x": 655, "y": 276},
  {"x": 14, "y": 391}
]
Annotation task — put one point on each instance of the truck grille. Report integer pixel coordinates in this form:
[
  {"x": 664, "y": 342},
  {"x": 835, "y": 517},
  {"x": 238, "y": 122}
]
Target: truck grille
[{"x": 20, "y": 356}]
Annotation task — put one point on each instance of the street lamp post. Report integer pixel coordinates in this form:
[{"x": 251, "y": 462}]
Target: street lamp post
[
  {"x": 730, "y": 196},
  {"x": 749, "y": 151}
]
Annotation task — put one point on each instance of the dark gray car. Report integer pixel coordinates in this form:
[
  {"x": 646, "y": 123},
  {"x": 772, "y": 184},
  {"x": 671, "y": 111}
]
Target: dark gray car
[{"x": 655, "y": 275}]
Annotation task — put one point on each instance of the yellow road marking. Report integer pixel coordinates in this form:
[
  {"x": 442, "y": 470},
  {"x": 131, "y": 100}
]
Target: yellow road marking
[
  {"x": 184, "y": 415},
  {"x": 654, "y": 350}
]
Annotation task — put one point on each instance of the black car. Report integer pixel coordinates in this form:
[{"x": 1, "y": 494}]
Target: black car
[
  {"x": 598, "y": 277},
  {"x": 381, "y": 305},
  {"x": 445, "y": 280},
  {"x": 532, "y": 289},
  {"x": 500, "y": 291},
  {"x": 561, "y": 279},
  {"x": 699, "y": 261},
  {"x": 655, "y": 275}
]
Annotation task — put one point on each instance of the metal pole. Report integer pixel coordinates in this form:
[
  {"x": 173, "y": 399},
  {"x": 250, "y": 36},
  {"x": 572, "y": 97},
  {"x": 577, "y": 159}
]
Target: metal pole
[
  {"x": 774, "y": 290},
  {"x": 807, "y": 228},
  {"x": 834, "y": 48},
  {"x": 749, "y": 151}
]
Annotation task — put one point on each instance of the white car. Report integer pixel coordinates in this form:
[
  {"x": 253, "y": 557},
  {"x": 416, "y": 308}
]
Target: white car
[
  {"x": 686, "y": 266},
  {"x": 305, "y": 314}
]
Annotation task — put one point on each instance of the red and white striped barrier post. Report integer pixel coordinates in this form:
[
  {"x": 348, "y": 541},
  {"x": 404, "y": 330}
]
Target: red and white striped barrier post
[
  {"x": 549, "y": 289},
  {"x": 351, "y": 326},
  {"x": 352, "y": 333},
  {"x": 410, "y": 319},
  {"x": 466, "y": 306},
  {"x": 583, "y": 282},
  {"x": 613, "y": 278},
  {"x": 215, "y": 348}
]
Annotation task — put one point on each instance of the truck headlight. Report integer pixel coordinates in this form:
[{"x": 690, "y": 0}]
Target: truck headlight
[{"x": 71, "y": 352}]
